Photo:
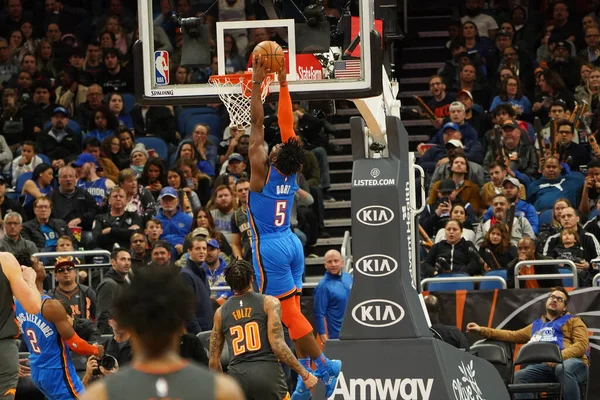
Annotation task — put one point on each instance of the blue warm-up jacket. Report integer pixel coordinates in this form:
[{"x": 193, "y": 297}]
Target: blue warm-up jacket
[{"x": 330, "y": 299}]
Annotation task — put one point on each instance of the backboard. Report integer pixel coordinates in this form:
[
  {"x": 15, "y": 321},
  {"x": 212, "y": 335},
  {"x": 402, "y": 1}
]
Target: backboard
[{"x": 331, "y": 52}]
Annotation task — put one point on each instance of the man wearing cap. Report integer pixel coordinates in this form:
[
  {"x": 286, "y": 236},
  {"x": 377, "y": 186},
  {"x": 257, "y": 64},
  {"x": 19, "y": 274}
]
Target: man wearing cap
[
  {"x": 567, "y": 67},
  {"x": 520, "y": 159},
  {"x": 473, "y": 116},
  {"x": 82, "y": 299},
  {"x": 116, "y": 226},
  {"x": 194, "y": 275},
  {"x": 59, "y": 142},
  {"x": 520, "y": 225},
  {"x": 236, "y": 166},
  {"x": 214, "y": 267},
  {"x": 86, "y": 166},
  {"x": 13, "y": 242},
  {"x": 175, "y": 223}
]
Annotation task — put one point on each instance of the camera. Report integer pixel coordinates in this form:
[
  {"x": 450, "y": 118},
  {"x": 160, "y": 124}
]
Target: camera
[{"x": 107, "y": 362}]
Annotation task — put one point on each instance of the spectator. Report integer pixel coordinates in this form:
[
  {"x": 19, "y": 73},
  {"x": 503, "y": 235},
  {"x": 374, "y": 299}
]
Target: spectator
[
  {"x": 153, "y": 231},
  {"x": 37, "y": 113},
  {"x": 558, "y": 111},
  {"x": 139, "y": 199},
  {"x": 45, "y": 56},
  {"x": 240, "y": 226},
  {"x": 557, "y": 326},
  {"x": 114, "y": 77},
  {"x": 190, "y": 203},
  {"x": 71, "y": 93},
  {"x": 102, "y": 124},
  {"x": 552, "y": 87},
  {"x": 204, "y": 219},
  {"x": 43, "y": 230},
  {"x": 79, "y": 298},
  {"x": 59, "y": 142},
  {"x": 194, "y": 275},
  {"x": 161, "y": 253},
  {"x": 466, "y": 190},
  {"x": 39, "y": 185},
  {"x": 486, "y": 25},
  {"x": 448, "y": 333},
  {"x": 437, "y": 155},
  {"x": 587, "y": 243},
  {"x": 74, "y": 205},
  {"x": 553, "y": 184},
  {"x": 512, "y": 93},
  {"x": 513, "y": 189},
  {"x": 116, "y": 107},
  {"x": 458, "y": 213},
  {"x": 592, "y": 40},
  {"x": 6, "y": 204},
  {"x": 587, "y": 91},
  {"x": 154, "y": 176},
  {"x": 526, "y": 252},
  {"x": 155, "y": 121},
  {"x": 469, "y": 135},
  {"x": 331, "y": 297},
  {"x": 520, "y": 157},
  {"x": 565, "y": 65},
  {"x": 440, "y": 103},
  {"x": 176, "y": 224},
  {"x": 26, "y": 162},
  {"x": 118, "y": 346},
  {"x": 77, "y": 61},
  {"x": 222, "y": 209},
  {"x": 107, "y": 169},
  {"x": 94, "y": 63},
  {"x": 116, "y": 227},
  {"x": 140, "y": 253},
  {"x": 454, "y": 254},
  {"x": 520, "y": 225},
  {"x": 111, "y": 149},
  {"x": 476, "y": 173},
  {"x": 8, "y": 68},
  {"x": 13, "y": 242},
  {"x": 12, "y": 117},
  {"x": 205, "y": 148},
  {"x": 474, "y": 116},
  {"x": 139, "y": 158},
  {"x": 467, "y": 81},
  {"x": 110, "y": 286},
  {"x": 497, "y": 173},
  {"x": 569, "y": 248},
  {"x": 187, "y": 152},
  {"x": 196, "y": 180},
  {"x": 496, "y": 250},
  {"x": 85, "y": 112},
  {"x": 573, "y": 154},
  {"x": 97, "y": 187}
]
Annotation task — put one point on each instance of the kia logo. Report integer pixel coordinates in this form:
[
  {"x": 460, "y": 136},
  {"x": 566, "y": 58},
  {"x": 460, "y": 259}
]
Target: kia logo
[
  {"x": 375, "y": 215},
  {"x": 377, "y": 313},
  {"x": 376, "y": 265}
]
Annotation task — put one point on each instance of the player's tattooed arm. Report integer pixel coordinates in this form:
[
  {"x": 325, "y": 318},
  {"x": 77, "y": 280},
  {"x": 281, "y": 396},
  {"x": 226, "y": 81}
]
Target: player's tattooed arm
[
  {"x": 216, "y": 344},
  {"x": 277, "y": 340}
]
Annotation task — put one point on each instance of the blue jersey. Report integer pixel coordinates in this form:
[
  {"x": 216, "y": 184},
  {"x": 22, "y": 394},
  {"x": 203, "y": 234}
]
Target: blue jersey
[
  {"x": 97, "y": 189},
  {"x": 46, "y": 347},
  {"x": 45, "y": 191},
  {"x": 269, "y": 211}
]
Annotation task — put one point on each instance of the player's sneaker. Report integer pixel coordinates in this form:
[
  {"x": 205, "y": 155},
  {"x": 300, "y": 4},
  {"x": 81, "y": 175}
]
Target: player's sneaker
[
  {"x": 329, "y": 375},
  {"x": 301, "y": 392}
]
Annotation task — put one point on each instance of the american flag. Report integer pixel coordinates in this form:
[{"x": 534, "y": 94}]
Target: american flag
[{"x": 347, "y": 69}]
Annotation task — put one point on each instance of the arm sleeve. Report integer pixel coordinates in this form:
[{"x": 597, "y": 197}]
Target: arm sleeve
[
  {"x": 533, "y": 219},
  {"x": 520, "y": 336},
  {"x": 320, "y": 309},
  {"x": 106, "y": 294},
  {"x": 285, "y": 114}
]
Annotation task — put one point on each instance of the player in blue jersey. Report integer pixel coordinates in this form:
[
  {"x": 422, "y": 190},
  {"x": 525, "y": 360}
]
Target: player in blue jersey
[
  {"x": 47, "y": 335},
  {"x": 277, "y": 253}
]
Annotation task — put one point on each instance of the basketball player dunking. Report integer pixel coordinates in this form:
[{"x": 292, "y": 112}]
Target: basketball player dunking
[
  {"x": 277, "y": 253},
  {"x": 19, "y": 282},
  {"x": 47, "y": 335},
  {"x": 154, "y": 309},
  {"x": 251, "y": 325}
]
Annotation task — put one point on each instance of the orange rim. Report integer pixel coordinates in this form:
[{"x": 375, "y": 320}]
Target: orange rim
[{"x": 244, "y": 80}]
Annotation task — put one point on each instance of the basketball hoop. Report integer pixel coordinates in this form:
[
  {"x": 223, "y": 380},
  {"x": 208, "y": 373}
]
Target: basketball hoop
[{"x": 235, "y": 91}]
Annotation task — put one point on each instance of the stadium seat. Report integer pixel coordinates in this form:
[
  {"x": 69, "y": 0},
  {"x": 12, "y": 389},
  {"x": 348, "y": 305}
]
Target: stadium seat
[
  {"x": 155, "y": 143},
  {"x": 496, "y": 355},
  {"x": 545, "y": 217},
  {"x": 212, "y": 120},
  {"x": 72, "y": 124},
  {"x": 536, "y": 353},
  {"x": 45, "y": 159},
  {"x": 449, "y": 286},
  {"x": 205, "y": 340},
  {"x": 128, "y": 102},
  {"x": 569, "y": 281},
  {"x": 21, "y": 181},
  {"x": 490, "y": 285},
  {"x": 183, "y": 115}
]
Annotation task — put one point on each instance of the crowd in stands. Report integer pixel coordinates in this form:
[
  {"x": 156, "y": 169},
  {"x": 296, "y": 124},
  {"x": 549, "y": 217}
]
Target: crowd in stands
[{"x": 512, "y": 166}]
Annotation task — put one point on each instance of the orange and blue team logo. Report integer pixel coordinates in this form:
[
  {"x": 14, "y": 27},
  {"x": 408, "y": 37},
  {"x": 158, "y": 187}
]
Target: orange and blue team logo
[{"x": 161, "y": 67}]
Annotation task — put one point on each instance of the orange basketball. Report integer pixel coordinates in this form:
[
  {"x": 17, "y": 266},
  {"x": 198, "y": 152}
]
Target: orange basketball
[{"x": 272, "y": 53}]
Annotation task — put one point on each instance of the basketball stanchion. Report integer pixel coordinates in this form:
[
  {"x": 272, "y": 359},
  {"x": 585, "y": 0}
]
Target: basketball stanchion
[{"x": 386, "y": 345}]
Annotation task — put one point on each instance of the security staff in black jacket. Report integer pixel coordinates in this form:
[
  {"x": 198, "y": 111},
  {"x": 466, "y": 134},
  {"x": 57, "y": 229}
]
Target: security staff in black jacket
[{"x": 117, "y": 225}]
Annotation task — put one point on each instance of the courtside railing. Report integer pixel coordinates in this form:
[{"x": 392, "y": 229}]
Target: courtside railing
[
  {"x": 95, "y": 270},
  {"x": 539, "y": 277}
]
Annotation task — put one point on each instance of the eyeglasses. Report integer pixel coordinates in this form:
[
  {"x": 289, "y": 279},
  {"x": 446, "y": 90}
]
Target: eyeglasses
[
  {"x": 565, "y": 132},
  {"x": 66, "y": 269},
  {"x": 557, "y": 299}
]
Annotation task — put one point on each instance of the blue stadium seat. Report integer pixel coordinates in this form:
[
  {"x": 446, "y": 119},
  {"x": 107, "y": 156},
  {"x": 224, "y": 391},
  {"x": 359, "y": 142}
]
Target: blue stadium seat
[
  {"x": 73, "y": 125},
  {"x": 45, "y": 159},
  {"x": 568, "y": 282},
  {"x": 212, "y": 120},
  {"x": 128, "y": 102},
  {"x": 545, "y": 217},
  {"x": 491, "y": 285},
  {"x": 21, "y": 181},
  {"x": 157, "y": 144},
  {"x": 184, "y": 114},
  {"x": 449, "y": 286}
]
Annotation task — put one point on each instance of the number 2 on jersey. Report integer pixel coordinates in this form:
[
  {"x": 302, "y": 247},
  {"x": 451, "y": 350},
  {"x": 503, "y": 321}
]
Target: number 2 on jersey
[
  {"x": 33, "y": 341},
  {"x": 280, "y": 208},
  {"x": 245, "y": 338}
]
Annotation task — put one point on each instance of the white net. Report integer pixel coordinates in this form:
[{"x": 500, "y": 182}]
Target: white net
[{"x": 235, "y": 92}]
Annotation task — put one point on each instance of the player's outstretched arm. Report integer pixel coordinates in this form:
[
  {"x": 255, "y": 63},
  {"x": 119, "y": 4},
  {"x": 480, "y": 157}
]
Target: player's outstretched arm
[
  {"x": 285, "y": 113},
  {"x": 256, "y": 150},
  {"x": 22, "y": 283},
  {"x": 216, "y": 344},
  {"x": 278, "y": 344},
  {"x": 55, "y": 312}
]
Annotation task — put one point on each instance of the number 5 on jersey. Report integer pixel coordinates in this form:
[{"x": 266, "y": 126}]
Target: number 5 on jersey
[
  {"x": 245, "y": 338},
  {"x": 280, "y": 209}
]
